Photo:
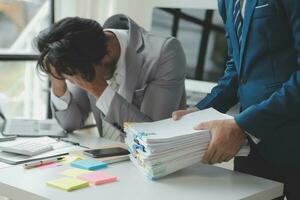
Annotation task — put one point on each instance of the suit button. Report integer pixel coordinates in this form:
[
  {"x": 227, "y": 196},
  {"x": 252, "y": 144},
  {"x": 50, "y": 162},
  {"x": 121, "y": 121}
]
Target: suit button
[
  {"x": 243, "y": 81},
  {"x": 116, "y": 125}
]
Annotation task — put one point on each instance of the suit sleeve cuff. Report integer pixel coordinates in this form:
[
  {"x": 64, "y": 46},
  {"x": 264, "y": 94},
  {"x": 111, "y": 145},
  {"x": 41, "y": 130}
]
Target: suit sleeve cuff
[
  {"x": 253, "y": 138},
  {"x": 249, "y": 123},
  {"x": 61, "y": 103},
  {"x": 104, "y": 101}
]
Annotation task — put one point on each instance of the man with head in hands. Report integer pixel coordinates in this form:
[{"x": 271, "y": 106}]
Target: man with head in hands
[
  {"x": 263, "y": 75},
  {"x": 120, "y": 73}
]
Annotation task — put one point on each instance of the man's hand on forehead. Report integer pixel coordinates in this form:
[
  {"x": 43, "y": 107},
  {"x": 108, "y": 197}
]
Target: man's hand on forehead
[
  {"x": 95, "y": 87},
  {"x": 53, "y": 72}
]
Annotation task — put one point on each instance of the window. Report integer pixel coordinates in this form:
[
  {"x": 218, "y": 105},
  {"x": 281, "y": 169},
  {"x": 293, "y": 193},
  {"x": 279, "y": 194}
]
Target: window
[
  {"x": 202, "y": 35},
  {"x": 20, "y": 22},
  {"x": 23, "y": 92}
]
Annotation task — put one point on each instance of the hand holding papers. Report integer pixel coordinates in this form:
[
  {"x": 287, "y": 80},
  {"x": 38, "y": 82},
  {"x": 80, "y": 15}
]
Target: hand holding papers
[
  {"x": 163, "y": 147},
  {"x": 227, "y": 138}
]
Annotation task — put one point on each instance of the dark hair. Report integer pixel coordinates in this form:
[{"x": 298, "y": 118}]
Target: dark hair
[{"x": 73, "y": 46}]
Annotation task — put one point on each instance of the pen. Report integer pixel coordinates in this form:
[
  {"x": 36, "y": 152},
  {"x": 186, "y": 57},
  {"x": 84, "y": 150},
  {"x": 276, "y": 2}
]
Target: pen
[
  {"x": 71, "y": 142},
  {"x": 74, "y": 143},
  {"x": 42, "y": 162}
]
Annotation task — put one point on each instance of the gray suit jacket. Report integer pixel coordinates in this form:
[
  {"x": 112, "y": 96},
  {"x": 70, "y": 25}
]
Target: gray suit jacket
[{"x": 154, "y": 82}]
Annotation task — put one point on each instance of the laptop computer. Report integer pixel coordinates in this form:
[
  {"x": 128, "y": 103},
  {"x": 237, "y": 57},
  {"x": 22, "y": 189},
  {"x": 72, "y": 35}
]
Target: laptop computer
[{"x": 31, "y": 127}]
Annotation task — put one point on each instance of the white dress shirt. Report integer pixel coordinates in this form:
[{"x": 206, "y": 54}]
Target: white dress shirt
[
  {"x": 104, "y": 101},
  {"x": 107, "y": 96},
  {"x": 243, "y": 6}
]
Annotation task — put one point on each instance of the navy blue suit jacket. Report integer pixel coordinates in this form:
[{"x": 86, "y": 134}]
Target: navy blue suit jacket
[{"x": 263, "y": 75}]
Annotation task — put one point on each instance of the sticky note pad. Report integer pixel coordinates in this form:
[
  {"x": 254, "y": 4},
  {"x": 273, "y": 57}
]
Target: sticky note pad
[
  {"x": 89, "y": 164},
  {"x": 98, "y": 178},
  {"x": 74, "y": 172},
  {"x": 68, "y": 184},
  {"x": 71, "y": 158}
]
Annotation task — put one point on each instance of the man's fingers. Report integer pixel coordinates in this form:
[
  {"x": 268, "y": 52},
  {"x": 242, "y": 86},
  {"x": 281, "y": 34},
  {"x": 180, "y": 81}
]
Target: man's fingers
[
  {"x": 217, "y": 158},
  {"x": 223, "y": 157},
  {"x": 204, "y": 125},
  {"x": 177, "y": 115},
  {"x": 209, "y": 154},
  {"x": 180, "y": 113},
  {"x": 228, "y": 158},
  {"x": 72, "y": 79},
  {"x": 54, "y": 73}
]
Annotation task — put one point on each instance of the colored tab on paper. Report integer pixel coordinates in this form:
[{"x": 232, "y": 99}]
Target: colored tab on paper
[
  {"x": 71, "y": 158},
  {"x": 74, "y": 172},
  {"x": 98, "y": 178},
  {"x": 49, "y": 165},
  {"x": 89, "y": 164},
  {"x": 68, "y": 184}
]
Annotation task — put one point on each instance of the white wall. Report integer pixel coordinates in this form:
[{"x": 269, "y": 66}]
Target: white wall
[{"x": 139, "y": 10}]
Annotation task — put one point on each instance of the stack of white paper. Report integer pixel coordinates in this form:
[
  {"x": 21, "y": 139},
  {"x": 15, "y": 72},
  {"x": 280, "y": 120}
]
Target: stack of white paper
[{"x": 166, "y": 146}]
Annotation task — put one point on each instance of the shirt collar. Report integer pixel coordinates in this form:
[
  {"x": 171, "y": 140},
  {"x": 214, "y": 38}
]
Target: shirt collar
[{"x": 122, "y": 36}]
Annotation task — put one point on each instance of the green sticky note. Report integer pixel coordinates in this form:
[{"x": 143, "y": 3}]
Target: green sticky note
[{"x": 68, "y": 184}]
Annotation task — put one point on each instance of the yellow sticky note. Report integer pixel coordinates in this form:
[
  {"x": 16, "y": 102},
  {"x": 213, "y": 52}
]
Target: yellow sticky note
[
  {"x": 68, "y": 184},
  {"x": 71, "y": 158},
  {"x": 74, "y": 172}
]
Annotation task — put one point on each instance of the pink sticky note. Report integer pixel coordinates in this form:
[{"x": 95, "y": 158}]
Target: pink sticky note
[
  {"x": 49, "y": 165},
  {"x": 98, "y": 177}
]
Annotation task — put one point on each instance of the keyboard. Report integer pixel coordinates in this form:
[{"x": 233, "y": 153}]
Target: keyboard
[{"x": 25, "y": 147}]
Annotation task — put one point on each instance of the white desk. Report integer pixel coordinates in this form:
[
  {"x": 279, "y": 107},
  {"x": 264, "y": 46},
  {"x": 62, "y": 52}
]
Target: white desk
[{"x": 196, "y": 182}]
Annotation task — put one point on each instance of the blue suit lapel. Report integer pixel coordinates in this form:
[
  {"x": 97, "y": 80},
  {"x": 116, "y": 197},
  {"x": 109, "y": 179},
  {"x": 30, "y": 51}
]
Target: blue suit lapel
[
  {"x": 250, "y": 6},
  {"x": 232, "y": 32}
]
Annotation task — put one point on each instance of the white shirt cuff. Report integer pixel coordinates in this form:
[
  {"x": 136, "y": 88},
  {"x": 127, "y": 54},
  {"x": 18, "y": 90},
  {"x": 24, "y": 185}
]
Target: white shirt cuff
[
  {"x": 61, "y": 103},
  {"x": 253, "y": 138},
  {"x": 105, "y": 100}
]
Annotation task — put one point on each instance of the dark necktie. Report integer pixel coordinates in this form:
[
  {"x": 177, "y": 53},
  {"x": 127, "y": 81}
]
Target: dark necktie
[{"x": 238, "y": 21}]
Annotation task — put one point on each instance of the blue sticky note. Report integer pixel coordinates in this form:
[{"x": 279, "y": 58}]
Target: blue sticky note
[{"x": 89, "y": 164}]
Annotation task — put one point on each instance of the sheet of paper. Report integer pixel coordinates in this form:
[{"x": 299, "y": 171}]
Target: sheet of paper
[
  {"x": 4, "y": 165},
  {"x": 169, "y": 128}
]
